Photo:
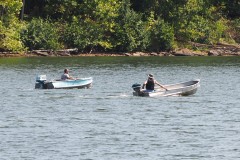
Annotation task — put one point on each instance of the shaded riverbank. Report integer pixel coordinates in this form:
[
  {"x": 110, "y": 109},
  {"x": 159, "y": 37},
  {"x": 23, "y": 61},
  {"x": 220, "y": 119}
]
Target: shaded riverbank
[{"x": 200, "y": 50}]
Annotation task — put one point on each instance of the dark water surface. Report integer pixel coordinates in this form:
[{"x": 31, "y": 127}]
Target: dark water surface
[{"x": 106, "y": 122}]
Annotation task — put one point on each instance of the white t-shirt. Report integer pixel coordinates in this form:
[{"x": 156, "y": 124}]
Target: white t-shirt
[{"x": 65, "y": 76}]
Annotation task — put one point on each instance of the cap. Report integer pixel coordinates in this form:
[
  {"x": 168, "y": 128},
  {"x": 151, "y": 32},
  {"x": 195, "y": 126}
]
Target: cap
[{"x": 150, "y": 76}]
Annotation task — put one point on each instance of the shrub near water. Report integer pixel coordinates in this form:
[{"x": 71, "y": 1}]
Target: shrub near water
[
  {"x": 40, "y": 34},
  {"x": 10, "y": 38},
  {"x": 86, "y": 36},
  {"x": 10, "y": 26},
  {"x": 235, "y": 30},
  {"x": 161, "y": 35}
]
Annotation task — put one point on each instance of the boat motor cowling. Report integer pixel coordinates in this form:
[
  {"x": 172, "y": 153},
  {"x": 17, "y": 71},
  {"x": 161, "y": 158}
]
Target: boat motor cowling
[
  {"x": 41, "y": 78},
  {"x": 40, "y": 81},
  {"x": 136, "y": 87}
]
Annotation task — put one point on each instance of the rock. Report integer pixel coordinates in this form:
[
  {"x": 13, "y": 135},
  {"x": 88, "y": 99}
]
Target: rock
[
  {"x": 73, "y": 51},
  {"x": 168, "y": 54},
  {"x": 153, "y": 54},
  {"x": 127, "y": 54},
  {"x": 40, "y": 53},
  {"x": 162, "y": 53},
  {"x": 213, "y": 53},
  {"x": 64, "y": 53},
  {"x": 68, "y": 51},
  {"x": 139, "y": 54},
  {"x": 183, "y": 52}
]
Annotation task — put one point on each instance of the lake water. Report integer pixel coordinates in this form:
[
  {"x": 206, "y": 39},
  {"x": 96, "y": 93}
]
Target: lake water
[{"x": 107, "y": 123}]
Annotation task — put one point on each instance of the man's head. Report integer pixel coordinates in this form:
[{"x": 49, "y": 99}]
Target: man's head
[
  {"x": 150, "y": 76},
  {"x": 66, "y": 70}
]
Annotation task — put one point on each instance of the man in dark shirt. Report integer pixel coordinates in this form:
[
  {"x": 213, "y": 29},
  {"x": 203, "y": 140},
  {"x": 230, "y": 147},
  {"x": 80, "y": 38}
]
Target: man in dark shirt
[{"x": 150, "y": 83}]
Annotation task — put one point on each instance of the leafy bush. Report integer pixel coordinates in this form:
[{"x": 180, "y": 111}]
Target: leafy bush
[
  {"x": 10, "y": 38},
  {"x": 40, "y": 34},
  {"x": 10, "y": 26},
  {"x": 161, "y": 36},
  {"x": 130, "y": 34},
  {"x": 93, "y": 31},
  {"x": 86, "y": 36},
  {"x": 218, "y": 31},
  {"x": 234, "y": 30}
]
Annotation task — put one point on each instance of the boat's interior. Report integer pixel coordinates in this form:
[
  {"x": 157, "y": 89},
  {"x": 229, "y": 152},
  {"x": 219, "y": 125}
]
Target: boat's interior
[{"x": 180, "y": 85}]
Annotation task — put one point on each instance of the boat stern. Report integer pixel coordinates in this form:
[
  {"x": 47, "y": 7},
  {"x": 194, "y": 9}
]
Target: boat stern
[
  {"x": 40, "y": 81},
  {"x": 138, "y": 91}
]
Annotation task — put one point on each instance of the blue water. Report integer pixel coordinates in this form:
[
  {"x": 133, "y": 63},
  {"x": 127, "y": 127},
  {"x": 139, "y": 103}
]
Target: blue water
[{"x": 106, "y": 122}]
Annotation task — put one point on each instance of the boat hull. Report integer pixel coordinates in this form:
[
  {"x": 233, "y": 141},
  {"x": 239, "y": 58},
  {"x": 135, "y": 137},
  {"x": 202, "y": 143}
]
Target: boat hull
[
  {"x": 66, "y": 84},
  {"x": 180, "y": 89}
]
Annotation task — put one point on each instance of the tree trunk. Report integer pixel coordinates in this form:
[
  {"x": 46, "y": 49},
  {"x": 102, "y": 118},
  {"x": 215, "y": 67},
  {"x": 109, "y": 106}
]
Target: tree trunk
[{"x": 22, "y": 11}]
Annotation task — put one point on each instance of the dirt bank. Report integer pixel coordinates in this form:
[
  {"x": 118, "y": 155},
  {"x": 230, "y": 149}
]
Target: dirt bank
[{"x": 202, "y": 50}]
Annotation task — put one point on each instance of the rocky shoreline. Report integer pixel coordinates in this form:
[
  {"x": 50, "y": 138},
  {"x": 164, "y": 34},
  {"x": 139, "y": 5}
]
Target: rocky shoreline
[{"x": 202, "y": 50}]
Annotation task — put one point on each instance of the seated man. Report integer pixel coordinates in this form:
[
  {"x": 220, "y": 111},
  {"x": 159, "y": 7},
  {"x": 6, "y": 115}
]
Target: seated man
[
  {"x": 66, "y": 75},
  {"x": 150, "y": 83}
]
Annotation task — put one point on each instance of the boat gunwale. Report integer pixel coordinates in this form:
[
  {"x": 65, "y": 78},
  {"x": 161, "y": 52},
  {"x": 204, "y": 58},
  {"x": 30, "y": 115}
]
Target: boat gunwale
[
  {"x": 160, "y": 92},
  {"x": 72, "y": 80},
  {"x": 197, "y": 83}
]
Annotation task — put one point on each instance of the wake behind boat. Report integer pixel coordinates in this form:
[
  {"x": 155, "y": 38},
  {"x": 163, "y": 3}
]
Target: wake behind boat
[
  {"x": 42, "y": 83},
  {"x": 179, "y": 89}
]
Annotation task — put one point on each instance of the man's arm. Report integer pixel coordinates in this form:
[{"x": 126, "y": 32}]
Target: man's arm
[
  {"x": 144, "y": 84},
  {"x": 156, "y": 82},
  {"x": 69, "y": 77}
]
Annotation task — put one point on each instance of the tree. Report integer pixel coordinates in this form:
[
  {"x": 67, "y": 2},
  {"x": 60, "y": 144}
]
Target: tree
[
  {"x": 10, "y": 26},
  {"x": 125, "y": 25},
  {"x": 229, "y": 8},
  {"x": 161, "y": 35},
  {"x": 95, "y": 26},
  {"x": 41, "y": 34}
]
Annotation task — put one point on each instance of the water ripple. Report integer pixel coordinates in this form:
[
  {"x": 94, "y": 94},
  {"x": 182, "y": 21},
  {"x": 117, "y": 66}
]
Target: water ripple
[{"x": 107, "y": 122}]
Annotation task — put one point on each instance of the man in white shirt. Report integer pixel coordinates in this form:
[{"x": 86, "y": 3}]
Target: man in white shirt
[{"x": 66, "y": 75}]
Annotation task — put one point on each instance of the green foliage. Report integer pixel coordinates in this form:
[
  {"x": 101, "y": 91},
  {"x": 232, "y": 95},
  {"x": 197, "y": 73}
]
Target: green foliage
[
  {"x": 8, "y": 11},
  {"x": 10, "y": 38},
  {"x": 161, "y": 36},
  {"x": 84, "y": 36},
  {"x": 218, "y": 33},
  {"x": 198, "y": 21},
  {"x": 131, "y": 32},
  {"x": 229, "y": 8},
  {"x": 93, "y": 31},
  {"x": 235, "y": 30},
  {"x": 10, "y": 26},
  {"x": 62, "y": 9},
  {"x": 103, "y": 23},
  {"x": 40, "y": 34},
  {"x": 110, "y": 25}
]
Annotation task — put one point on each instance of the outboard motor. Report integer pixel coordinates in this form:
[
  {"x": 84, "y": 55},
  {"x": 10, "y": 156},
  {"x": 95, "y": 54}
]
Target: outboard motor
[
  {"x": 136, "y": 87},
  {"x": 40, "y": 81}
]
